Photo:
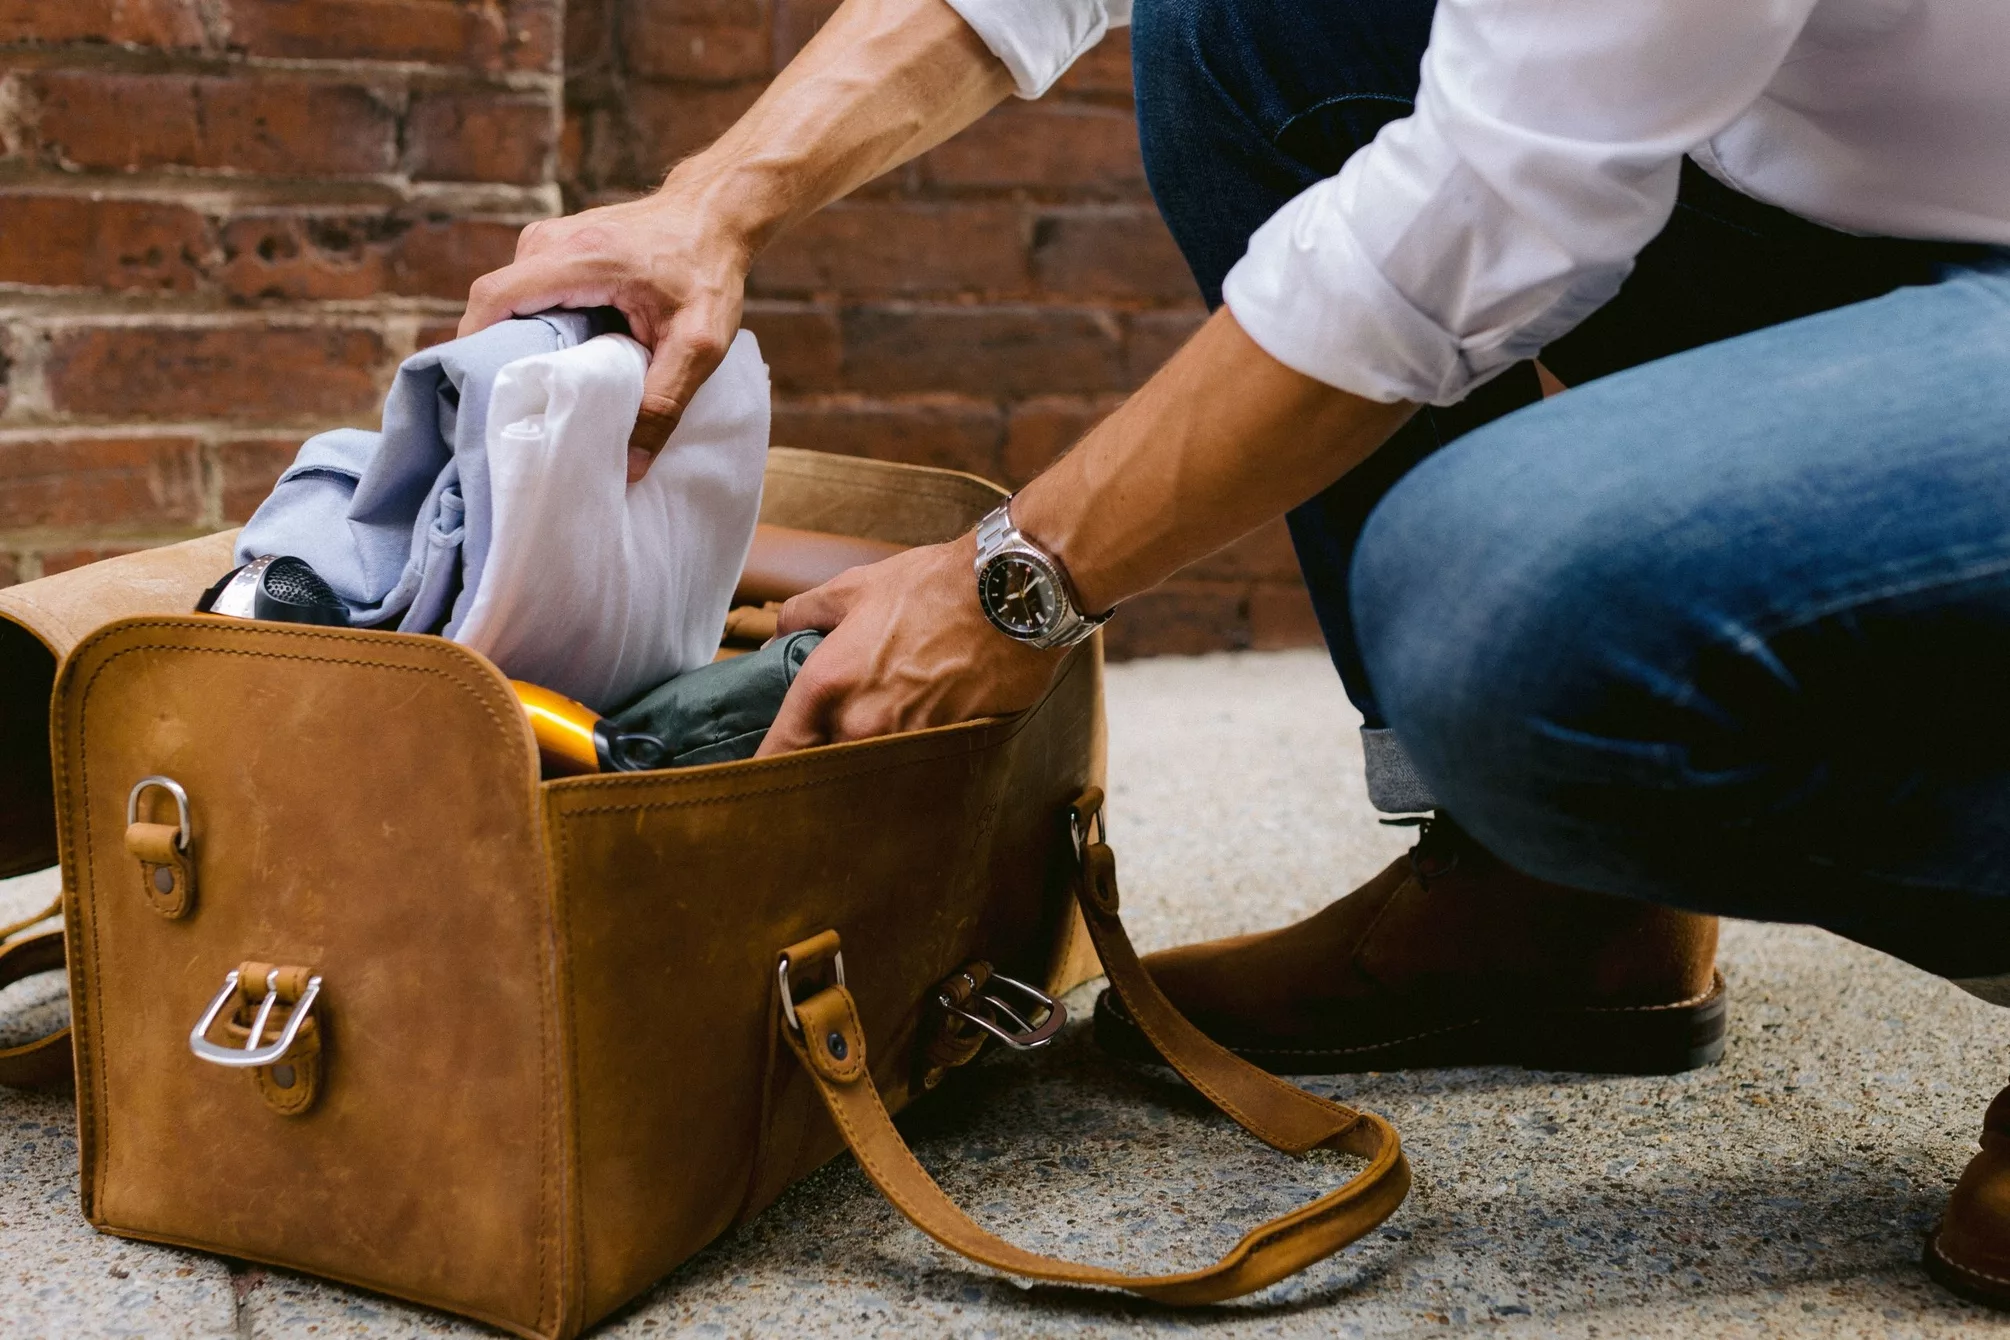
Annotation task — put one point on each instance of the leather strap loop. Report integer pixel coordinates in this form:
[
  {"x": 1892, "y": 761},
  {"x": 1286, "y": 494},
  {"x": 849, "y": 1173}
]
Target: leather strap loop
[
  {"x": 45, "y": 1062},
  {"x": 1278, "y": 1112},
  {"x": 167, "y": 876}
]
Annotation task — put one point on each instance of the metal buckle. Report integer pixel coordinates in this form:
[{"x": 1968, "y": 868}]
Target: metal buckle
[
  {"x": 173, "y": 788},
  {"x": 1029, "y": 1035},
  {"x": 789, "y": 1001},
  {"x": 251, "y": 1055}
]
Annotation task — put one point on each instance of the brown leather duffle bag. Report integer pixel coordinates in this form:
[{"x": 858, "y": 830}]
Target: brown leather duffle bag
[{"x": 354, "y": 992}]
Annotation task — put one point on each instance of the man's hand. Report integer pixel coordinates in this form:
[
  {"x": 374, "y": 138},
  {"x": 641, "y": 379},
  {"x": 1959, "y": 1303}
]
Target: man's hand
[
  {"x": 908, "y": 648},
  {"x": 882, "y": 81},
  {"x": 677, "y": 275}
]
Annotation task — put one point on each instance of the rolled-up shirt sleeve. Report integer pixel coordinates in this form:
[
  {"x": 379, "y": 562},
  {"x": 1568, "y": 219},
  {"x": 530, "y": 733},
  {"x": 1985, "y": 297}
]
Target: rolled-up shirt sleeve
[
  {"x": 1542, "y": 154},
  {"x": 1039, "y": 39}
]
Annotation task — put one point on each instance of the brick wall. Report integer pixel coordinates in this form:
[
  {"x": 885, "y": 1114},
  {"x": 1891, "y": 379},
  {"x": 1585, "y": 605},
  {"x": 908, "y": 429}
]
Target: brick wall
[{"x": 224, "y": 222}]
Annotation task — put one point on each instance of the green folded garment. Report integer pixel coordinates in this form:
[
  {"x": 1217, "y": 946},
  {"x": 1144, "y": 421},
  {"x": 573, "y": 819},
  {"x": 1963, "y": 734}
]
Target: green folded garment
[{"x": 713, "y": 714}]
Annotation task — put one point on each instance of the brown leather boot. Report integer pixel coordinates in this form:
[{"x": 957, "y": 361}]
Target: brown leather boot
[
  {"x": 1970, "y": 1251},
  {"x": 1449, "y": 957}
]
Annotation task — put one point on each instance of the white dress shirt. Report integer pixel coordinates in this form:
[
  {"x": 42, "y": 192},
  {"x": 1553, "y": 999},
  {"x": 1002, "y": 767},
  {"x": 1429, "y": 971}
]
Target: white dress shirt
[{"x": 1544, "y": 150}]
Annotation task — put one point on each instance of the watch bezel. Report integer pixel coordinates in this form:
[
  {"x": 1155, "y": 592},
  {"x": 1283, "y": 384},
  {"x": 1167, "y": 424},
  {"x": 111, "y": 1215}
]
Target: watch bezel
[{"x": 1058, "y": 609}]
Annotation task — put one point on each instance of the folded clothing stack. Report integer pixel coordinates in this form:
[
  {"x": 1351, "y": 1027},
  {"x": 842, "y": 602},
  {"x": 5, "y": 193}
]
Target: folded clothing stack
[{"x": 493, "y": 508}]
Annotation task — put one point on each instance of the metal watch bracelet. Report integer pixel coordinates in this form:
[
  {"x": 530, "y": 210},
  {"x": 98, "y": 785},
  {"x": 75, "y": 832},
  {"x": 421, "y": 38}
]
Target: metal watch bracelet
[{"x": 998, "y": 538}]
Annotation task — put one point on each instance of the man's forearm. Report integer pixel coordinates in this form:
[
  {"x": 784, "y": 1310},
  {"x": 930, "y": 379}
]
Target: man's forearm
[
  {"x": 882, "y": 81},
  {"x": 1221, "y": 439}
]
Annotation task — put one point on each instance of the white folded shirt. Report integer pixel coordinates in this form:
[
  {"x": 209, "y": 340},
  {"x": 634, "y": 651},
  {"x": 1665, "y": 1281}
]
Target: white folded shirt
[{"x": 595, "y": 588}]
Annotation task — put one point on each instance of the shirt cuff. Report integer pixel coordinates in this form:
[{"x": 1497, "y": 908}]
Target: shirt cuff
[
  {"x": 1037, "y": 39},
  {"x": 1311, "y": 299}
]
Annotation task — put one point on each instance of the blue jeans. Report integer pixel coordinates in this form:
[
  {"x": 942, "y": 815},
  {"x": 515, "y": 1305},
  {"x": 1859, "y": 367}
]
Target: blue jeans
[{"x": 1728, "y": 625}]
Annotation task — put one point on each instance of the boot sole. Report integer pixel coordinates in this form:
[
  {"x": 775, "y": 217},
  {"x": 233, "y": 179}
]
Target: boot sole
[
  {"x": 1974, "y": 1285},
  {"x": 1616, "y": 1040}
]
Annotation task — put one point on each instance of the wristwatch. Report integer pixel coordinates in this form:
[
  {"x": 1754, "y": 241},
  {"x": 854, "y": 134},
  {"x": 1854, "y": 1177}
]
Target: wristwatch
[{"x": 1024, "y": 591}]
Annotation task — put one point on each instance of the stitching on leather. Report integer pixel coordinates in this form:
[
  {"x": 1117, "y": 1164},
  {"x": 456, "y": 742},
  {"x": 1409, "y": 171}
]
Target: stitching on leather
[
  {"x": 1348, "y": 1051},
  {"x": 1933, "y": 1244},
  {"x": 1222, "y": 1101},
  {"x": 863, "y": 750},
  {"x": 1343, "y": 1198},
  {"x": 1067, "y": 1269},
  {"x": 101, "y": 1144},
  {"x": 1716, "y": 986},
  {"x": 561, "y": 993}
]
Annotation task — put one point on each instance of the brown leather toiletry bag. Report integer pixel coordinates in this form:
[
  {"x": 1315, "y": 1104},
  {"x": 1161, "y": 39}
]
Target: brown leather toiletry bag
[{"x": 355, "y": 993}]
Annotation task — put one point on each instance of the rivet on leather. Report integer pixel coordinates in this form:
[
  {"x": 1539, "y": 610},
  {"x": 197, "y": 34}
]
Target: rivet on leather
[
  {"x": 167, "y": 875},
  {"x": 830, "y": 1014},
  {"x": 1099, "y": 876}
]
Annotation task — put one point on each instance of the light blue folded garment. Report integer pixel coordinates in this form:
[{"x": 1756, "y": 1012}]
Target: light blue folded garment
[{"x": 396, "y": 521}]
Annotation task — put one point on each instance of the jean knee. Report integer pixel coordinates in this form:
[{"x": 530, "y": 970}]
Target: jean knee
[
  {"x": 1172, "y": 82},
  {"x": 1528, "y": 650}
]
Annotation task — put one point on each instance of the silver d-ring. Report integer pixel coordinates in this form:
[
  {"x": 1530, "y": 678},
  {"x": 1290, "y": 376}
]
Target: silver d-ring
[
  {"x": 788, "y": 997},
  {"x": 173, "y": 788}
]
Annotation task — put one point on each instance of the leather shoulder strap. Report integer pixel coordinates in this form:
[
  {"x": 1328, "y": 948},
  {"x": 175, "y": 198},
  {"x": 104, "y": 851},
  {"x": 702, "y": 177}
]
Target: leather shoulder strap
[
  {"x": 831, "y": 1045},
  {"x": 45, "y": 1062}
]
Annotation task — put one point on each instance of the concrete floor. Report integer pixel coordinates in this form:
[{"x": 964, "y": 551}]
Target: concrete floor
[{"x": 1783, "y": 1192}]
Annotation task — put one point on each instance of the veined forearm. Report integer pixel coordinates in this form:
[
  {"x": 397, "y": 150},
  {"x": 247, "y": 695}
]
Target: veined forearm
[
  {"x": 1220, "y": 440},
  {"x": 882, "y": 81}
]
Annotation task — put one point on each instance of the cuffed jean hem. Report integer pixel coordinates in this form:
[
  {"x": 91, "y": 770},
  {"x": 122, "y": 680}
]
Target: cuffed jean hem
[{"x": 1394, "y": 786}]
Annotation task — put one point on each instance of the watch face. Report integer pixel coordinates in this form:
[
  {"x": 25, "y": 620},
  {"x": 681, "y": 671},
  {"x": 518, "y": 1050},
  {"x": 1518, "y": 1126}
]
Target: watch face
[{"x": 1019, "y": 595}]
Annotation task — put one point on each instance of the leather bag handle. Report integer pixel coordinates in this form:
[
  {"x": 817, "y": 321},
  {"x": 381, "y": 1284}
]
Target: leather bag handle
[
  {"x": 43, "y": 1063},
  {"x": 830, "y": 1043}
]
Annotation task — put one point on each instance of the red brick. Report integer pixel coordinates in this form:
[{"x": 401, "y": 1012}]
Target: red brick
[
  {"x": 1104, "y": 69},
  {"x": 598, "y": 167},
  {"x": 985, "y": 351},
  {"x": 74, "y": 241},
  {"x": 673, "y": 121},
  {"x": 249, "y": 371},
  {"x": 800, "y": 342},
  {"x": 63, "y": 560},
  {"x": 900, "y": 247},
  {"x": 100, "y": 481},
  {"x": 1264, "y": 554},
  {"x": 274, "y": 125},
  {"x": 436, "y": 332},
  {"x": 250, "y": 467},
  {"x": 589, "y": 31},
  {"x": 481, "y": 136},
  {"x": 1281, "y": 617},
  {"x": 336, "y": 256},
  {"x": 571, "y": 169},
  {"x": 465, "y": 34},
  {"x": 796, "y": 22},
  {"x": 1040, "y": 430},
  {"x": 946, "y": 431},
  {"x": 1117, "y": 251},
  {"x": 1153, "y": 337},
  {"x": 156, "y": 23},
  {"x": 710, "y": 43},
  {"x": 1041, "y": 145},
  {"x": 1180, "y": 618}
]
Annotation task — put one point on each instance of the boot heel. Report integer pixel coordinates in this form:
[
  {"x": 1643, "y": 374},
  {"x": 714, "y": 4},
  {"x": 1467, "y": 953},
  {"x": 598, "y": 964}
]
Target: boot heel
[{"x": 1639, "y": 1040}]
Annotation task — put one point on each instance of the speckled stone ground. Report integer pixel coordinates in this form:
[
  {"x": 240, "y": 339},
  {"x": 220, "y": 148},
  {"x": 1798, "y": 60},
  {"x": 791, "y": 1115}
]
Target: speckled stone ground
[{"x": 1782, "y": 1193}]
